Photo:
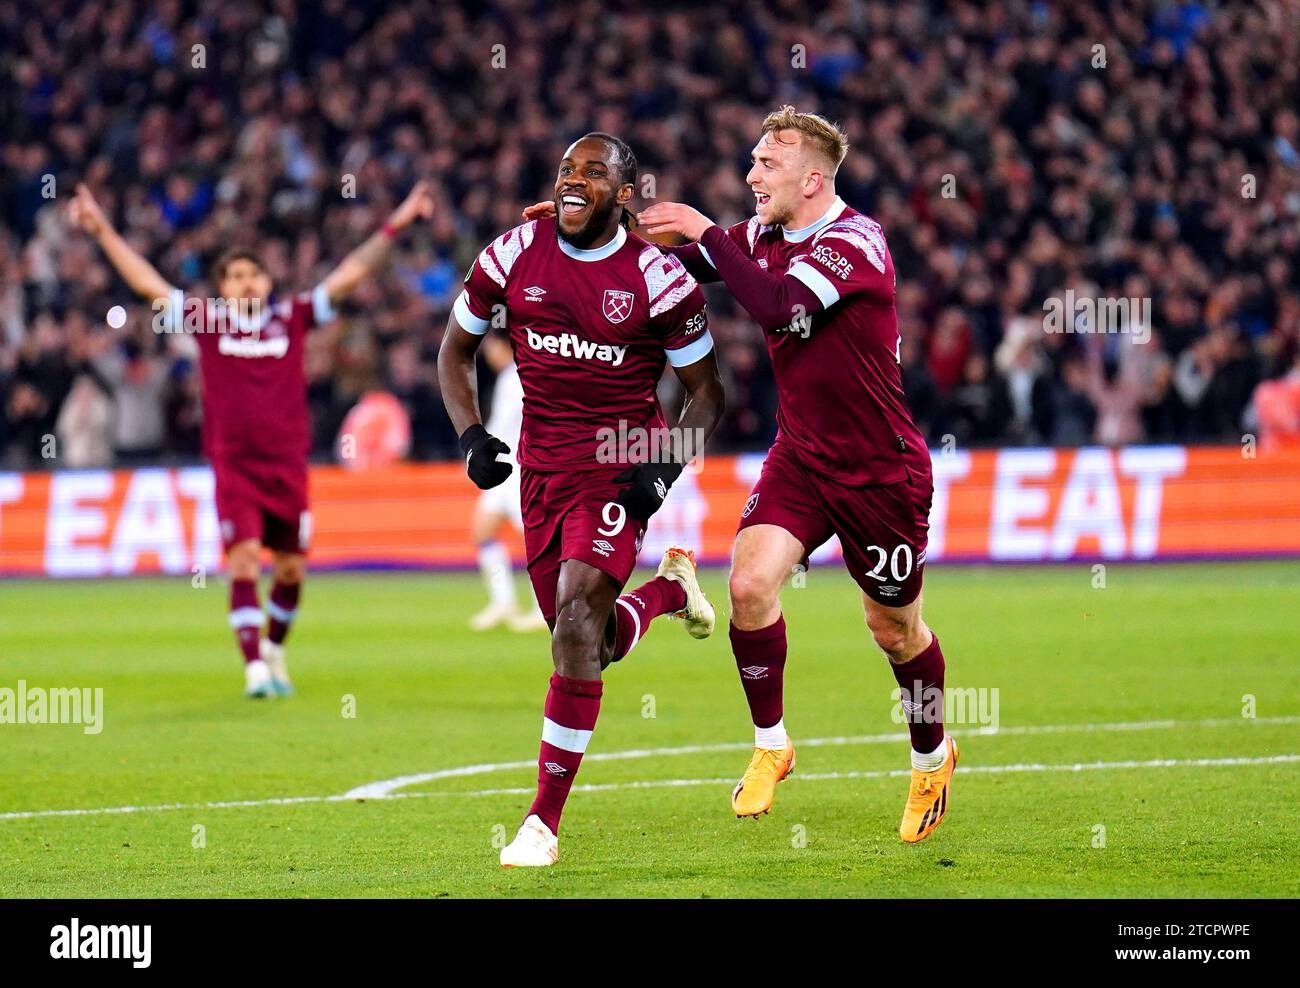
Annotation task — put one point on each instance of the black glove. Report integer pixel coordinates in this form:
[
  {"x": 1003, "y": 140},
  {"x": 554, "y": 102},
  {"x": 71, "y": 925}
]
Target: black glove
[
  {"x": 649, "y": 486},
  {"x": 481, "y": 448}
]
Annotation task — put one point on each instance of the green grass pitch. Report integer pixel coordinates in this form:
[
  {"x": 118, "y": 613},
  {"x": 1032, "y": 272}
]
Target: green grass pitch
[{"x": 1152, "y": 667}]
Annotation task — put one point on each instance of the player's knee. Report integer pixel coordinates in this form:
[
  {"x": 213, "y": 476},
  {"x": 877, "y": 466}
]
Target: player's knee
[
  {"x": 751, "y": 594},
  {"x": 290, "y": 569},
  {"x": 578, "y": 628},
  {"x": 243, "y": 561},
  {"x": 892, "y": 635}
]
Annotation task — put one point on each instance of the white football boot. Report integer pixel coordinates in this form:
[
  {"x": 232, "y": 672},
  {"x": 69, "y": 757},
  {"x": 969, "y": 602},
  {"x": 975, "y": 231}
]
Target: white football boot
[
  {"x": 273, "y": 656},
  {"x": 492, "y": 616},
  {"x": 678, "y": 565},
  {"x": 257, "y": 680},
  {"x": 533, "y": 847},
  {"x": 532, "y": 621}
]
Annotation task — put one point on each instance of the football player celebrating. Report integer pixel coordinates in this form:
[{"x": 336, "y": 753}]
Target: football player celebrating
[
  {"x": 848, "y": 459},
  {"x": 255, "y": 425},
  {"x": 592, "y": 312}
]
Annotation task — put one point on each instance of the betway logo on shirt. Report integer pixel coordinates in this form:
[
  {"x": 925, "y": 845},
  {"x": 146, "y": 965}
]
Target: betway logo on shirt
[
  {"x": 232, "y": 346},
  {"x": 572, "y": 345}
]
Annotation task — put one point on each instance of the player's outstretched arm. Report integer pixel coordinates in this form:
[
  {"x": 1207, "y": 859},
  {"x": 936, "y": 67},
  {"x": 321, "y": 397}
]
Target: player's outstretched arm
[
  {"x": 364, "y": 259},
  {"x": 137, "y": 272},
  {"x": 648, "y": 483},
  {"x": 458, "y": 380},
  {"x": 776, "y": 301}
]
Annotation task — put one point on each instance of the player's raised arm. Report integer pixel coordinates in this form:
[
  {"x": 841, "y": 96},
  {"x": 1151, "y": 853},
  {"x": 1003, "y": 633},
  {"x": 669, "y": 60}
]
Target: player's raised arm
[
  {"x": 774, "y": 300},
  {"x": 364, "y": 259},
  {"x": 137, "y": 272}
]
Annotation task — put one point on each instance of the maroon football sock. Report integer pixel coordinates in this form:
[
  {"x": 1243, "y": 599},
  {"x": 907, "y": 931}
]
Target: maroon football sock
[
  {"x": 921, "y": 680},
  {"x": 760, "y": 657},
  {"x": 634, "y": 611},
  {"x": 283, "y": 608},
  {"x": 570, "y": 716},
  {"x": 246, "y": 618}
]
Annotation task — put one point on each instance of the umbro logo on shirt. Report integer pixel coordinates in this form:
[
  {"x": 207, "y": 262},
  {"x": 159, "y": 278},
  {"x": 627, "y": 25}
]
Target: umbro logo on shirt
[{"x": 534, "y": 293}]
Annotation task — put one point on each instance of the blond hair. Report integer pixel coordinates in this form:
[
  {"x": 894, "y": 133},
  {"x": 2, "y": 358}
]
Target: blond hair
[{"x": 824, "y": 137}]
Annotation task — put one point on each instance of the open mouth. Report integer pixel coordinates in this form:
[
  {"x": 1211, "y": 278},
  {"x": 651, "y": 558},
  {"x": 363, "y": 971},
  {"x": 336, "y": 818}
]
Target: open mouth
[
  {"x": 762, "y": 198},
  {"x": 571, "y": 203}
]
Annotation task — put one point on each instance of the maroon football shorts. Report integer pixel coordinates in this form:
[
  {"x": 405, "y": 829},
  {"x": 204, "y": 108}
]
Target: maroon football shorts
[
  {"x": 264, "y": 500},
  {"x": 883, "y": 530},
  {"x": 576, "y": 515}
]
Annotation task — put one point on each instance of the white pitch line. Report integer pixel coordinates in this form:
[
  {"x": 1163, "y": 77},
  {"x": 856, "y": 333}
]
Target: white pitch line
[
  {"x": 671, "y": 783},
  {"x": 887, "y": 774},
  {"x": 385, "y": 789}
]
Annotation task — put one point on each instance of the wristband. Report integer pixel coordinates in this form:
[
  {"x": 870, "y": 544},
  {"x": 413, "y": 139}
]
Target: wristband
[{"x": 389, "y": 230}]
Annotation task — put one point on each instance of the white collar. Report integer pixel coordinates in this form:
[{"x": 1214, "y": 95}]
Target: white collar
[
  {"x": 794, "y": 236},
  {"x": 595, "y": 253}
]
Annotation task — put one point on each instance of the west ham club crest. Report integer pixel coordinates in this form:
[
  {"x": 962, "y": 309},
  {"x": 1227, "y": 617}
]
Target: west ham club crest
[{"x": 618, "y": 305}]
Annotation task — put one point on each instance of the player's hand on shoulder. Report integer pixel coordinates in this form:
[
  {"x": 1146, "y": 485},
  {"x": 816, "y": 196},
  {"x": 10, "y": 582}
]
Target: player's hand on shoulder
[
  {"x": 544, "y": 210},
  {"x": 481, "y": 449},
  {"x": 673, "y": 217},
  {"x": 648, "y": 485}
]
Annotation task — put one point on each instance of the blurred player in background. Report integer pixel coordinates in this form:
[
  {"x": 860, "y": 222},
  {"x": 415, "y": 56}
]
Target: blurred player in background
[
  {"x": 500, "y": 504},
  {"x": 848, "y": 459},
  {"x": 593, "y": 313},
  {"x": 255, "y": 425}
]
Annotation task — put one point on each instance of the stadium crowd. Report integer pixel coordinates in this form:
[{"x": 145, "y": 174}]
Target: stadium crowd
[{"x": 1011, "y": 151}]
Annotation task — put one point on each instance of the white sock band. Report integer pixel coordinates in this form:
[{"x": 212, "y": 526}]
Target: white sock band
[
  {"x": 932, "y": 761},
  {"x": 773, "y": 737}
]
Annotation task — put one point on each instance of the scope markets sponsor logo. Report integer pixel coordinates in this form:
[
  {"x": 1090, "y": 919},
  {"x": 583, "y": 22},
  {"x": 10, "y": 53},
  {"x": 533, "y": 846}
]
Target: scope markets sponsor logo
[
  {"x": 572, "y": 345},
  {"x": 37, "y": 705},
  {"x": 104, "y": 942},
  {"x": 637, "y": 444},
  {"x": 930, "y": 705},
  {"x": 1069, "y": 313},
  {"x": 833, "y": 260}
]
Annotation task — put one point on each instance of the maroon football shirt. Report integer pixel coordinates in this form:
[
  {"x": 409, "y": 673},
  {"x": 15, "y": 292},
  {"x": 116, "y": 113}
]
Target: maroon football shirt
[
  {"x": 841, "y": 402},
  {"x": 591, "y": 331},
  {"x": 254, "y": 383}
]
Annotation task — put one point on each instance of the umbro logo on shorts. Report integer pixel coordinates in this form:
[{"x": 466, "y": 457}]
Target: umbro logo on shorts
[
  {"x": 555, "y": 768},
  {"x": 602, "y": 547},
  {"x": 754, "y": 672},
  {"x": 889, "y": 590}
]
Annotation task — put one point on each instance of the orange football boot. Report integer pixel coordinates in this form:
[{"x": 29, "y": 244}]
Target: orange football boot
[
  {"x": 754, "y": 792},
  {"x": 927, "y": 799}
]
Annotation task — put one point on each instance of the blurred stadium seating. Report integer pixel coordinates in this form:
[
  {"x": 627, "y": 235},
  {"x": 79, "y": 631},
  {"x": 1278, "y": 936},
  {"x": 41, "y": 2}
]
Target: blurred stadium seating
[{"x": 1005, "y": 162}]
